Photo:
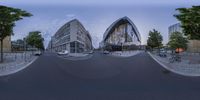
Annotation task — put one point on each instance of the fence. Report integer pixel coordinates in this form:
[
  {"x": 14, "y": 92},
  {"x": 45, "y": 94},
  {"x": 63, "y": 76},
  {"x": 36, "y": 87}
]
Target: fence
[{"x": 13, "y": 57}]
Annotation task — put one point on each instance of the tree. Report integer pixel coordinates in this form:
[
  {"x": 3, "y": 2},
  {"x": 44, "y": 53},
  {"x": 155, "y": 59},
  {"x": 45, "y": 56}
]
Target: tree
[
  {"x": 155, "y": 39},
  {"x": 8, "y": 17},
  {"x": 177, "y": 40},
  {"x": 35, "y": 39},
  {"x": 190, "y": 21}
]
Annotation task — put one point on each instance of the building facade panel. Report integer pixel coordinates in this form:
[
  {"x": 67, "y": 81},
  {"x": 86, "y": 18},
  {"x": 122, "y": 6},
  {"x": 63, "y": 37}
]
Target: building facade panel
[
  {"x": 7, "y": 44},
  {"x": 174, "y": 28},
  {"x": 72, "y": 37},
  {"x": 121, "y": 34}
]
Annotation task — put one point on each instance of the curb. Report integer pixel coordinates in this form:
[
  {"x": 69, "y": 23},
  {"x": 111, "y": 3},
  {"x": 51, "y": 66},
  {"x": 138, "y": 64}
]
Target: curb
[
  {"x": 19, "y": 69},
  {"x": 119, "y": 56},
  {"x": 170, "y": 69}
]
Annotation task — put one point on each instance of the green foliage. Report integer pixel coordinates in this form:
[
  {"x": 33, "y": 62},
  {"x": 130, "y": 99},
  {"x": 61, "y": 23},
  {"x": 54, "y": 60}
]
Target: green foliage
[
  {"x": 8, "y": 17},
  {"x": 177, "y": 40},
  {"x": 35, "y": 39},
  {"x": 190, "y": 21},
  {"x": 155, "y": 39}
]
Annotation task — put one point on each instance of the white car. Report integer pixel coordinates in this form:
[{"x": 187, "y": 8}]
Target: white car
[
  {"x": 64, "y": 52},
  {"x": 106, "y": 52},
  {"x": 37, "y": 53}
]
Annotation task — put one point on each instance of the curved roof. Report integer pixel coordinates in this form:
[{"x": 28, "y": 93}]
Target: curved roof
[{"x": 119, "y": 22}]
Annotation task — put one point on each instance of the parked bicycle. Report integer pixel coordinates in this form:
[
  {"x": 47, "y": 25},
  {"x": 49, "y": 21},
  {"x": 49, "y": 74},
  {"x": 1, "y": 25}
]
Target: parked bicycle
[{"x": 175, "y": 58}]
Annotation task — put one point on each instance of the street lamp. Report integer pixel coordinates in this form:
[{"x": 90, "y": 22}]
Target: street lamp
[{"x": 25, "y": 48}]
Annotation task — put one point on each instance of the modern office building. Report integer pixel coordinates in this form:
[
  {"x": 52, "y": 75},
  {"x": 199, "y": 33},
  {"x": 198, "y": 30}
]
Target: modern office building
[
  {"x": 72, "y": 37},
  {"x": 174, "y": 28},
  {"x": 18, "y": 45},
  {"x": 6, "y": 44},
  {"x": 121, "y": 35}
]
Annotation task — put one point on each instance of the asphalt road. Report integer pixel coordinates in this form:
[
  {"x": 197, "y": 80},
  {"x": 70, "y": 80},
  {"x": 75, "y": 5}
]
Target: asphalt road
[{"x": 100, "y": 77}]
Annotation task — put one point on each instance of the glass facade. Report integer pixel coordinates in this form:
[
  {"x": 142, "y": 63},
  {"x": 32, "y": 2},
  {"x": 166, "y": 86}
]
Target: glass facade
[
  {"x": 76, "y": 47},
  {"x": 121, "y": 34},
  {"x": 174, "y": 28}
]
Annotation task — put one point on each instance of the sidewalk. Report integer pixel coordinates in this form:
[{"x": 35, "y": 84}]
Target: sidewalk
[
  {"x": 185, "y": 67},
  {"x": 14, "y": 62},
  {"x": 125, "y": 53}
]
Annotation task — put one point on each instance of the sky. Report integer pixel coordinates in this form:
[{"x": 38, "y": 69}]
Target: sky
[{"x": 96, "y": 15}]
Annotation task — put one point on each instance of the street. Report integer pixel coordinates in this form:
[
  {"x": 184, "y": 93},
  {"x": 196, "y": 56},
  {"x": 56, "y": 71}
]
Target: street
[{"x": 101, "y": 77}]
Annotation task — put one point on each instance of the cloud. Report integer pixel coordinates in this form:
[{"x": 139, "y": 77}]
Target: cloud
[
  {"x": 100, "y": 2},
  {"x": 71, "y": 16},
  {"x": 48, "y": 27},
  {"x": 95, "y": 19}
]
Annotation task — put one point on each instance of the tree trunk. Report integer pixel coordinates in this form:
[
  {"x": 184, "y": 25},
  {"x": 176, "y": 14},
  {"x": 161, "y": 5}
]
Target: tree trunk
[{"x": 1, "y": 50}]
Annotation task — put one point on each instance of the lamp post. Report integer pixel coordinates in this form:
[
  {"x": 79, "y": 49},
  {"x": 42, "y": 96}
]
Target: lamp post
[{"x": 25, "y": 48}]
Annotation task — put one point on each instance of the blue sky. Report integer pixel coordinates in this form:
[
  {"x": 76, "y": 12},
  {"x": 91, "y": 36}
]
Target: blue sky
[{"x": 96, "y": 16}]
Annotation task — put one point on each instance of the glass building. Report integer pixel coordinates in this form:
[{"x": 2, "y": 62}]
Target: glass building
[
  {"x": 174, "y": 28},
  {"x": 121, "y": 35}
]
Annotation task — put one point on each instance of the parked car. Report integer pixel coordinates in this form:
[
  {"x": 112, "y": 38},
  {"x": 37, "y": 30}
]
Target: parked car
[
  {"x": 88, "y": 52},
  {"x": 175, "y": 58},
  {"x": 37, "y": 53},
  {"x": 64, "y": 52},
  {"x": 106, "y": 52}
]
